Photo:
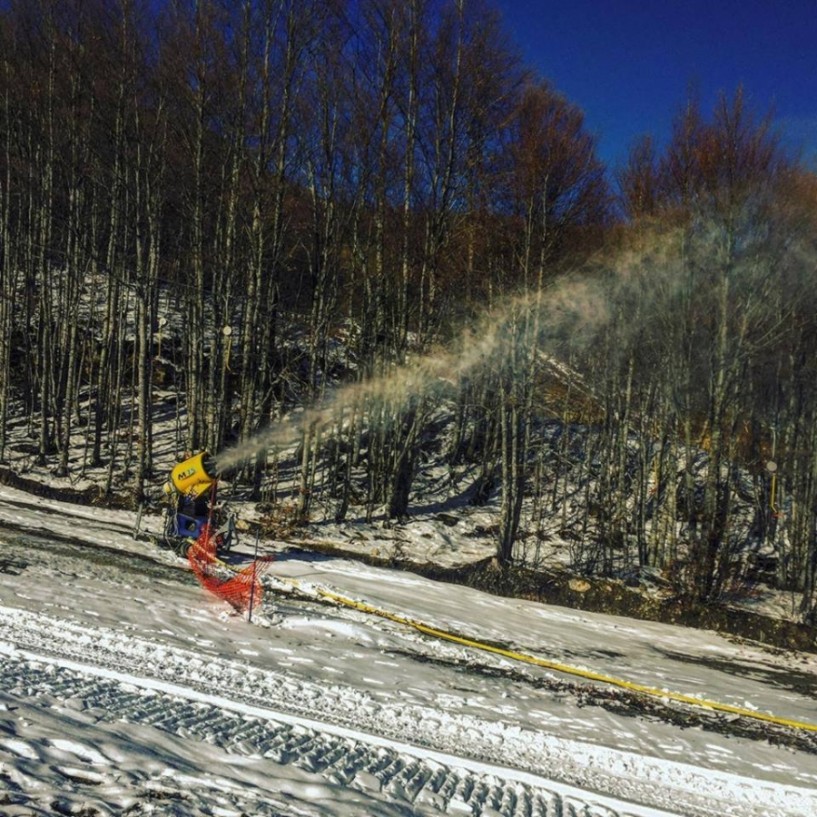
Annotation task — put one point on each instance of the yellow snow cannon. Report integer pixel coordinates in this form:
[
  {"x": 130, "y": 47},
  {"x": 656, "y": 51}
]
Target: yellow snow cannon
[
  {"x": 191, "y": 499},
  {"x": 193, "y": 476}
]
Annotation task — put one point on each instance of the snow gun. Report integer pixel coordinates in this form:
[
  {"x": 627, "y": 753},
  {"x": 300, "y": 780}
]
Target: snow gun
[
  {"x": 191, "y": 504},
  {"x": 193, "y": 476}
]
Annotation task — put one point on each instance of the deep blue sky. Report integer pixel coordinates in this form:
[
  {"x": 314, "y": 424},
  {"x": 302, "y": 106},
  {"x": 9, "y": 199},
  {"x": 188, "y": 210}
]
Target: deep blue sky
[{"x": 629, "y": 64}]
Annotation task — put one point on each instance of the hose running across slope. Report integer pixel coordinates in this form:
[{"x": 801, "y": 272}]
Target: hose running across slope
[
  {"x": 557, "y": 666},
  {"x": 567, "y": 669}
]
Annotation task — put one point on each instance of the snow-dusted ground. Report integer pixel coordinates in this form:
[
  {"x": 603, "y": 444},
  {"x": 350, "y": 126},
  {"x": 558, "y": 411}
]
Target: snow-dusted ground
[{"x": 126, "y": 689}]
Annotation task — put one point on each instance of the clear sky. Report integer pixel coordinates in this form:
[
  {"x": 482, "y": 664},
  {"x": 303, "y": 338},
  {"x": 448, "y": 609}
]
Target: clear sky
[{"x": 629, "y": 65}]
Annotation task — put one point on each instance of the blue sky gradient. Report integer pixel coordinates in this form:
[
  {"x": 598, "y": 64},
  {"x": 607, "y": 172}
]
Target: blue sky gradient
[{"x": 630, "y": 65}]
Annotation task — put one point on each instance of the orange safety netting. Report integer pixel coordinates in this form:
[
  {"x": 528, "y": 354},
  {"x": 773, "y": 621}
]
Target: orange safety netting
[{"x": 242, "y": 589}]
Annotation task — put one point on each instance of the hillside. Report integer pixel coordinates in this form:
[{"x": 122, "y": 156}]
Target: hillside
[{"x": 128, "y": 690}]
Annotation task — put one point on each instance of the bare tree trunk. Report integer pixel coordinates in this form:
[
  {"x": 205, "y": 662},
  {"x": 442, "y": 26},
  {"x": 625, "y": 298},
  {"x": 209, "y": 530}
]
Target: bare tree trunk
[
  {"x": 46, "y": 313},
  {"x": 74, "y": 271},
  {"x": 8, "y": 261}
]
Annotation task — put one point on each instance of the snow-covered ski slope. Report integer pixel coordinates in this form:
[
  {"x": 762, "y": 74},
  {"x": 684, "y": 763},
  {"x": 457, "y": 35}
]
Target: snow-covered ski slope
[{"x": 125, "y": 689}]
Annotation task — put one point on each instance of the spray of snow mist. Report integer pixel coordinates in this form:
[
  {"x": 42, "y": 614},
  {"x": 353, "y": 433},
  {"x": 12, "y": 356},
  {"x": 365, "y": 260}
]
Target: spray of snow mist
[{"x": 568, "y": 309}]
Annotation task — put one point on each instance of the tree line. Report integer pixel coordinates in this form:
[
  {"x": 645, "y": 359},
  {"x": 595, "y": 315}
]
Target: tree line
[{"x": 211, "y": 199}]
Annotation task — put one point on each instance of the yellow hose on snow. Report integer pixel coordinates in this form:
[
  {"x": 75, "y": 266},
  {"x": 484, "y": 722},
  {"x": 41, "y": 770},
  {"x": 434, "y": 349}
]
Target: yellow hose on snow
[
  {"x": 557, "y": 666},
  {"x": 632, "y": 686}
]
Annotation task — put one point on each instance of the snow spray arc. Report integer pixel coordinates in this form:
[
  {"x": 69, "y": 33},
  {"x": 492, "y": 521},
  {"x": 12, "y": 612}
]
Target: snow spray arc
[{"x": 573, "y": 309}]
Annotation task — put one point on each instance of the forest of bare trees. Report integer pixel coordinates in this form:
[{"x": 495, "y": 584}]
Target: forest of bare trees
[{"x": 206, "y": 200}]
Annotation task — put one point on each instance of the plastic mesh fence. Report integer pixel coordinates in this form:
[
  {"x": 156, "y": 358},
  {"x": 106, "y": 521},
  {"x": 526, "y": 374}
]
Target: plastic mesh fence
[{"x": 241, "y": 589}]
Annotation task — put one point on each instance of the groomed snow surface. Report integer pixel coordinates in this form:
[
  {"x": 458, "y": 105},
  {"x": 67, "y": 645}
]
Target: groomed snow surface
[{"x": 126, "y": 689}]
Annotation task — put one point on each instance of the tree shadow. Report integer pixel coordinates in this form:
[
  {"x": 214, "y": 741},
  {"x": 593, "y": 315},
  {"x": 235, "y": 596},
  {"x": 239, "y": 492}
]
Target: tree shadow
[{"x": 792, "y": 680}]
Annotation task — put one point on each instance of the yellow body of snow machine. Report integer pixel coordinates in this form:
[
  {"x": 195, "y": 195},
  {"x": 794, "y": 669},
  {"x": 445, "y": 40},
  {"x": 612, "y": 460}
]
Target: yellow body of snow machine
[
  {"x": 191, "y": 494},
  {"x": 193, "y": 476}
]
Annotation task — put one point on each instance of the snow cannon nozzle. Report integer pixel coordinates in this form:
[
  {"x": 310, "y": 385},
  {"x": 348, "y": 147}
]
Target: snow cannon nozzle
[{"x": 195, "y": 474}]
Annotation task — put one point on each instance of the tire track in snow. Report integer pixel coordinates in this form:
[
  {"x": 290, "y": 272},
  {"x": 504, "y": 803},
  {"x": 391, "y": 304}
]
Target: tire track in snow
[
  {"x": 321, "y": 731},
  {"x": 342, "y": 760}
]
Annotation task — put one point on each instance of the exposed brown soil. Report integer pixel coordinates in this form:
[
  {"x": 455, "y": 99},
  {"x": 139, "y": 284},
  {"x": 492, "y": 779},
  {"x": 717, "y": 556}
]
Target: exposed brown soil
[{"x": 87, "y": 496}]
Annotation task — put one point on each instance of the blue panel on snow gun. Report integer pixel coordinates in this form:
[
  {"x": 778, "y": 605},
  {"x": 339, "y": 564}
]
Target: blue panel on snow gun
[{"x": 189, "y": 526}]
